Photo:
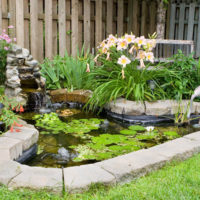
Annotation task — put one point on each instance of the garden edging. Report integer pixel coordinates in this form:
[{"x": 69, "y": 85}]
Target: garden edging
[{"x": 116, "y": 170}]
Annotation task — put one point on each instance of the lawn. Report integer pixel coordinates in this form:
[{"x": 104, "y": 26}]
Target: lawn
[{"x": 176, "y": 181}]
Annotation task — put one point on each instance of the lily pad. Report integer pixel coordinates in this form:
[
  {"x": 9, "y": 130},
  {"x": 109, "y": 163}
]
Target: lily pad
[
  {"x": 128, "y": 132},
  {"x": 137, "y": 128},
  {"x": 171, "y": 134}
]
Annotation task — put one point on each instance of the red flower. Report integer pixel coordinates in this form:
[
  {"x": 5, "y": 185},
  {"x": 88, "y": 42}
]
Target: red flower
[
  {"x": 21, "y": 109},
  {"x": 16, "y": 124},
  {"x": 11, "y": 129}
]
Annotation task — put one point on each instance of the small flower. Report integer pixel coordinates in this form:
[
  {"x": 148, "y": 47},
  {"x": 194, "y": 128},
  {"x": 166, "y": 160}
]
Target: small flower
[
  {"x": 4, "y": 30},
  {"x": 123, "y": 60},
  {"x": 150, "y": 57},
  {"x": 14, "y": 39},
  {"x": 11, "y": 26},
  {"x": 150, "y": 128},
  {"x": 95, "y": 59},
  {"x": 142, "y": 65},
  {"x": 141, "y": 55},
  {"x": 122, "y": 44},
  {"x": 151, "y": 44},
  {"x": 112, "y": 40},
  {"x": 21, "y": 109},
  {"x": 6, "y": 48},
  {"x": 88, "y": 68},
  {"x": 108, "y": 56},
  {"x": 130, "y": 38},
  {"x": 140, "y": 41}
]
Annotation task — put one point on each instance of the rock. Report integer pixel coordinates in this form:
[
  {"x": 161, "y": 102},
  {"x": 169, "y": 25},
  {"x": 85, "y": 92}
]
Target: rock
[
  {"x": 38, "y": 178},
  {"x": 61, "y": 95},
  {"x": 30, "y": 58},
  {"x": 11, "y": 72},
  {"x": 12, "y": 92},
  {"x": 21, "y": 61},
  {"x": 123, "y": 106},
  {"x": 166, "y": 107},
  {"x": 15, "y": 49},
  {"x": 27, "y": 76},
  {"x": 81, "y": 177},
  {"x": 36, "y": 69},
  {"x": 9, "y": 170},
  {"x": 42, "y": 82},
  {"x": 36, "y": 74},
  {"x": 32, "y": 63},
  {"x": 28, "y": 136},
  {"x": 13, "y": 82},
  {"x": 25, "y": 52},
  {"x": 12, "y": 61},
  {"x": 25, "y": 69},
  {"x": 10, "y": 148}
]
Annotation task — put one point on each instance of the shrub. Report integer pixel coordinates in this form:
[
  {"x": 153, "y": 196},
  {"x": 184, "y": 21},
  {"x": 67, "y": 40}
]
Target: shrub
[
  {"x": 5, "y": 44},
  {"x": 183, "y": 77}
]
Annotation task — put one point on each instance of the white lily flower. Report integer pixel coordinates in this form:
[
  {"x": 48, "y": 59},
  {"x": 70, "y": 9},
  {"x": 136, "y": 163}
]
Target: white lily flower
[
  {"x": 122, "y": 44},
  {"x": 150, "y": 128},
  {"x": 123, "y": 60}
]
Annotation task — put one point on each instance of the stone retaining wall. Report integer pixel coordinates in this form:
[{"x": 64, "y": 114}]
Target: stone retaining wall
[{"x": 120, "y": 169}]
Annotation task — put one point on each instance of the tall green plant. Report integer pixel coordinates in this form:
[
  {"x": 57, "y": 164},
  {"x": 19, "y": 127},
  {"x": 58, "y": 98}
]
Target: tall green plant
[
  {"x": 67, "y": 72},
  {"x": 109, "y": 85}
]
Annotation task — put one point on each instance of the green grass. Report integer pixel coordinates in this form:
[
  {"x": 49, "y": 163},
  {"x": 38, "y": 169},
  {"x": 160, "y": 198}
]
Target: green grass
[{"x": 177, "y": 181}]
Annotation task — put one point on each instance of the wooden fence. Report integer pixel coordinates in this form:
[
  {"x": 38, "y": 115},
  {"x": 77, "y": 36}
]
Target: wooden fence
[
  {"x": 50, "y": 27},
  {"x": 185, "y": 21}
]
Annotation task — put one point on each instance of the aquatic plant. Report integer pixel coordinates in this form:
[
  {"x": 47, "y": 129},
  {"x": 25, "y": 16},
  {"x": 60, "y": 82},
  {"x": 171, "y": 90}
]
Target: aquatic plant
[{"x": 52, "y": 124}]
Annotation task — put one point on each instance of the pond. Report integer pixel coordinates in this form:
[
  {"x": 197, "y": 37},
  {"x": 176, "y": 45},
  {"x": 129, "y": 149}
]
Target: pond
[{"x": 70, "y": 137}]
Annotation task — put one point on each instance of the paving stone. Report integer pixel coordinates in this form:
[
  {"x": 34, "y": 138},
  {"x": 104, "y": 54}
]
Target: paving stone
[
  {"x": 123, "y": 106},
  {"x": 9, "y": 170},
  {"x": 178, "y": 149},
  {"x": 81, "y": 177},
  {"x": 38, "y": 178},
  {"x": 193, "y": 136},
  {"x": 10, "y": 148},
  {"x": 133, "y": 165},
  {"x": 28, "y": 136}
]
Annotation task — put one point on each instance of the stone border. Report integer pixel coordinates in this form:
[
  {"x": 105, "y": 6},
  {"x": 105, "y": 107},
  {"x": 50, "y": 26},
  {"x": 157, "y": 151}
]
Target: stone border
[{"x": 120, "y": 169}]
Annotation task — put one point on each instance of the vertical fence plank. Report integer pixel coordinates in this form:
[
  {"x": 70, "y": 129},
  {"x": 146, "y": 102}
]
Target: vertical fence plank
[
  {"x": 34, "y": 27},
  {"x": 191, "y": 21},
  {"x": 5, "y": 11},
  {"x": 87, "y": 24},
  {"x": 68, "y": 27},
  {"x": 98, "y": 25},
  {"x": 55, "y": 27},
  {"x": 168, "y": 21},
  {"x": 48, "y": 28},
  {"x": 92, "y": 26},
  {"x": 1, "y": 17},
  {"x": 109, "y": 17},
  {"x": 152, "y": 17},
  {"x": 74, "y": 27},
  {"x": 181, "y": 21},
  {"x": 198, "y": 38},
  {"x": 12, "y": 19},
  {"x": 26, "y": 25},
  {"x": 120, "y": 17},
  {"x": 172, "y": 21},
  {"x": 80, "y": 25},
  {"x": 130, "y": 16},
  {"x": 62, "y": 27},
  {"x": 143, "y": 18},
  {"x": 40, "y": 32},
  {"x": 135, "y": 17},
  {"x": 20, "y": 22}
]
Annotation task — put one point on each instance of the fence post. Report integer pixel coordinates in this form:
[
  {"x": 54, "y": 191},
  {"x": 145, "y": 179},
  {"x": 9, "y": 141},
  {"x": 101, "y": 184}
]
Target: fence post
[
  {"x": 75, "y": 29},
  {"x": 48, "y": 29},
  {"x": 120, "y": 17},
  {"x": 62, "y": 27},
  {"x": 1, "y": 17},
  {"x": 98, "y": 32},
  {"x": 34, "y": 27},
  {"x": 20, "y": 22}
]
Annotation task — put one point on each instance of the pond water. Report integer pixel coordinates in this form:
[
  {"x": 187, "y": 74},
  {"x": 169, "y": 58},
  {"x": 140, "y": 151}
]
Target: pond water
[{"x": 70, "y": 137}]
